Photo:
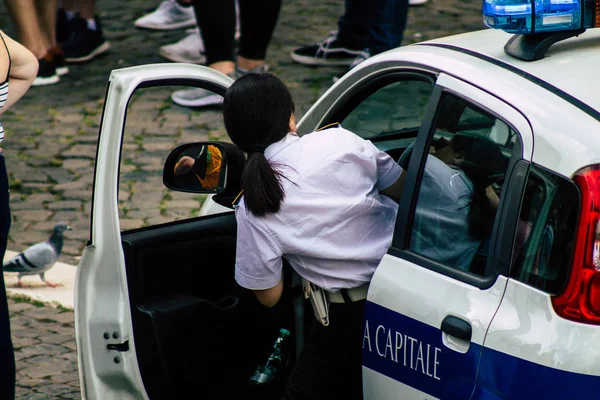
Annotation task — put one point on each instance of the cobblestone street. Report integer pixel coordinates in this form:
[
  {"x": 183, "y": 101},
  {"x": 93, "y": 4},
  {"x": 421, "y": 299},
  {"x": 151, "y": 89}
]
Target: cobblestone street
[{"x": 51, "y": 144}]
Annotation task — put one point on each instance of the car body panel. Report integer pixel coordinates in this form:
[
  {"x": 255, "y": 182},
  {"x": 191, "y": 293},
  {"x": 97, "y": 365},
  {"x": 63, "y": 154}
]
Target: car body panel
[
  {"x": 210, "y": 207},
  {"x": 398, "y": 302},
  {"x": 101, "y": 296},
  {"x": 545, "y": 355},
  {"x": 378, "y": 386},
  {"x": 570, "y": 65}
]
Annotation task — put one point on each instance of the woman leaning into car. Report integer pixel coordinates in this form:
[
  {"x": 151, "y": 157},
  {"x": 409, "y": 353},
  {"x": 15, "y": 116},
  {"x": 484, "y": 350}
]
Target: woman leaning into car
[{"x": 327, "y": 203}]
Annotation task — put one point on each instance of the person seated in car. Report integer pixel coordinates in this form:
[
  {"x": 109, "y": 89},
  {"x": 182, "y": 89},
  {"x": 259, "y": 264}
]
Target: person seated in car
[{"x": 451, "y": 212}]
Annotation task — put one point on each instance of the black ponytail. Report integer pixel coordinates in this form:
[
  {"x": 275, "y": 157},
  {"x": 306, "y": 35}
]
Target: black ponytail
[
  {"x": 261, "y": 183},
  {"x": 257, "y": 110}
]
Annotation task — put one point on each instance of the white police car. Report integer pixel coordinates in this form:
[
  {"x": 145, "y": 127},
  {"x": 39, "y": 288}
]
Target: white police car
[{"x": 515, "y": 313}]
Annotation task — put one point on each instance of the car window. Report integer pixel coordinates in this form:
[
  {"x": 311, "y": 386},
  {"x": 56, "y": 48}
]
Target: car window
[
  {"x": 155, "y": 126},
  {"x": 545, "y": 231},
  {"x": 394, "y": 108},
  {"x": 460, "y": 187},
  {"x": 478, "y": 122}
]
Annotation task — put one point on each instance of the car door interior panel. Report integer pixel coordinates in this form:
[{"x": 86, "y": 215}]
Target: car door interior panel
[{"x": 197, "y": 333}]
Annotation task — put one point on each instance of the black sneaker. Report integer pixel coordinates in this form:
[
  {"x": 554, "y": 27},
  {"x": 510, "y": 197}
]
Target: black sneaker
[
  {"x": 84, "y": 44},
  {"x": 366, "y": 53},
  {"x": 59, "y": 60},
  {"x": 62, "y": 26},
  {"x": 329, "y": 52},
  {"x": 46, "y": 72}
]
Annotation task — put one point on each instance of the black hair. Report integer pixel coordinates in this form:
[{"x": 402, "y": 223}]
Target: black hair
[
  {"x": 440, "y": 143},
  {"x": 257, "y": 110},
  {"x": 483, "y": 158}
]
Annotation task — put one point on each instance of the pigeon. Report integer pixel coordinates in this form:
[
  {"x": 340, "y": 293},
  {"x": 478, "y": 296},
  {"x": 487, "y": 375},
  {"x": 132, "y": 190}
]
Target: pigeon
[{"x": 39, "y": 258}]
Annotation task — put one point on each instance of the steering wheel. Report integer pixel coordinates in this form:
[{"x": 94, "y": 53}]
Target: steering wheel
[{"x": 405, "y": 157}]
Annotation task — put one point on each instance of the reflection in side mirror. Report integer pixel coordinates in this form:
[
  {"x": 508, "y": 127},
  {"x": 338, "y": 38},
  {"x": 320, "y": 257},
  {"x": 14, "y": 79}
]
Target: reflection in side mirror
[
  {"x": 196, "y": 168},
  {"x": 206, "y": 167}
]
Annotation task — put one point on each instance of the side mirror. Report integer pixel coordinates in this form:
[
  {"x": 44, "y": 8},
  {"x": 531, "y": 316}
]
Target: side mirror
[{"x": 205, "y": 167}]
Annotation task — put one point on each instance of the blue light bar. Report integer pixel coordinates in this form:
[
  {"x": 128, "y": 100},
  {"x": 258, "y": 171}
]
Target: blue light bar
[{"x": 533, "y": 16}]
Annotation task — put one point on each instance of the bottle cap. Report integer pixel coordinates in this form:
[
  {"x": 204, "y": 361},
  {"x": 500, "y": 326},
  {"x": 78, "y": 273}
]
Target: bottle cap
[{"x": 284, "y": 332}]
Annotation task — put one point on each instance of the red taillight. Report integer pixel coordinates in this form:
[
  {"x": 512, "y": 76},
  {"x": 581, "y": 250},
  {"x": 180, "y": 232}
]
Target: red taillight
[{"x": 581, "y": 299}]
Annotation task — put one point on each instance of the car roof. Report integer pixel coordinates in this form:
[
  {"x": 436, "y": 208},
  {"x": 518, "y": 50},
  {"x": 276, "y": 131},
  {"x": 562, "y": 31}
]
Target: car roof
[{"x": 569, "y": 65}]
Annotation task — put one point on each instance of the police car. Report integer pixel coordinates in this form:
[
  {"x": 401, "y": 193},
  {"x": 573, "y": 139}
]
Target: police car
[{"x": 515, "y": 314}]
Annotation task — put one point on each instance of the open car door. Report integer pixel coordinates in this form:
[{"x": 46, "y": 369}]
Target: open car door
[{"x": 158, "y": 312}]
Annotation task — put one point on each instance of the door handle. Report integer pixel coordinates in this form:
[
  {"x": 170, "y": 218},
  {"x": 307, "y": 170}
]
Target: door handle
[{"x": 457, "y": 327}]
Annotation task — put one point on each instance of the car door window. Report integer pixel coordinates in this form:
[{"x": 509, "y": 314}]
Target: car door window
[
  {"x": 461, "y": 185},
  {"x": 546, "y": 231},
  {"x": 154, "y": 126},
  {"x": 385, "y": 109}
]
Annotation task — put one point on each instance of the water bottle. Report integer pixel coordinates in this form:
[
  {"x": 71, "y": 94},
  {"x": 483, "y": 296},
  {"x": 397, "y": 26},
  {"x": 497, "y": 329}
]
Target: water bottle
[{"x": 274, "y": 365}]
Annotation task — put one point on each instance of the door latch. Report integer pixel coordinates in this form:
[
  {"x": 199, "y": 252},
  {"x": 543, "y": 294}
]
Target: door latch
[{"x": 118, "y": 346}]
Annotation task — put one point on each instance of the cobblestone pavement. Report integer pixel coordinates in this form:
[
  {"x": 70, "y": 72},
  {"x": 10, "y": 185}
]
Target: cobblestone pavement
[
  {"x": 44, "y": 341},
  {"x": 51, "y": 145}
]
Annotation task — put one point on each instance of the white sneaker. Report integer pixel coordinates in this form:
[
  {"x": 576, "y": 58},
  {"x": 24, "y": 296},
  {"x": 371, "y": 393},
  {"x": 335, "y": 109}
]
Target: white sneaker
[
  {"x": 187, "y": 50},
  {"x": 168, "y": 15},
  {"x": 416, "y": 2},
  {"x": 366, "y": 53},
  {"x": 196, "y": 97}
]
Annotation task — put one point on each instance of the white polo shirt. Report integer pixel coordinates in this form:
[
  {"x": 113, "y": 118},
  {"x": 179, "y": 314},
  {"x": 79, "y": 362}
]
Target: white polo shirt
[
  {"x": 442, "y": 225},
  {"x": 333, "y": 226}
]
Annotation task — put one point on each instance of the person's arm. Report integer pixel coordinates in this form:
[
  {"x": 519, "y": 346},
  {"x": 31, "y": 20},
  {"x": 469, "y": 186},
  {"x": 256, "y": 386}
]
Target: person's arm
[
  {"x": 395, "y": 189},
  {"x": 259, "y": 264},
  {"x": 492, "y": 197},
  {"x": 270, "y": 297},
  {"x": 23, "y": 70},
  {"x": 388, "y": 175},
  {"x": 184, "y": 165}
]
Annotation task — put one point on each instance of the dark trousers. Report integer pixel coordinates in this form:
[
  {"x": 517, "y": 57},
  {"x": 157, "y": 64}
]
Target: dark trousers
[
  {"x": 330, "y": 365},
  {"x": 374, "y": 24},
  {"x": 7, "y": 356},
  {"x": 216, "y": 19}
]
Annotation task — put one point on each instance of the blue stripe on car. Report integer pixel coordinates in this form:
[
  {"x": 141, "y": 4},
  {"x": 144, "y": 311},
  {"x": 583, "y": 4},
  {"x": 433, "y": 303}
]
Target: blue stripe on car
[
  {"x": 412, "y": 352},
  {"x": 502, "y": 376}
]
